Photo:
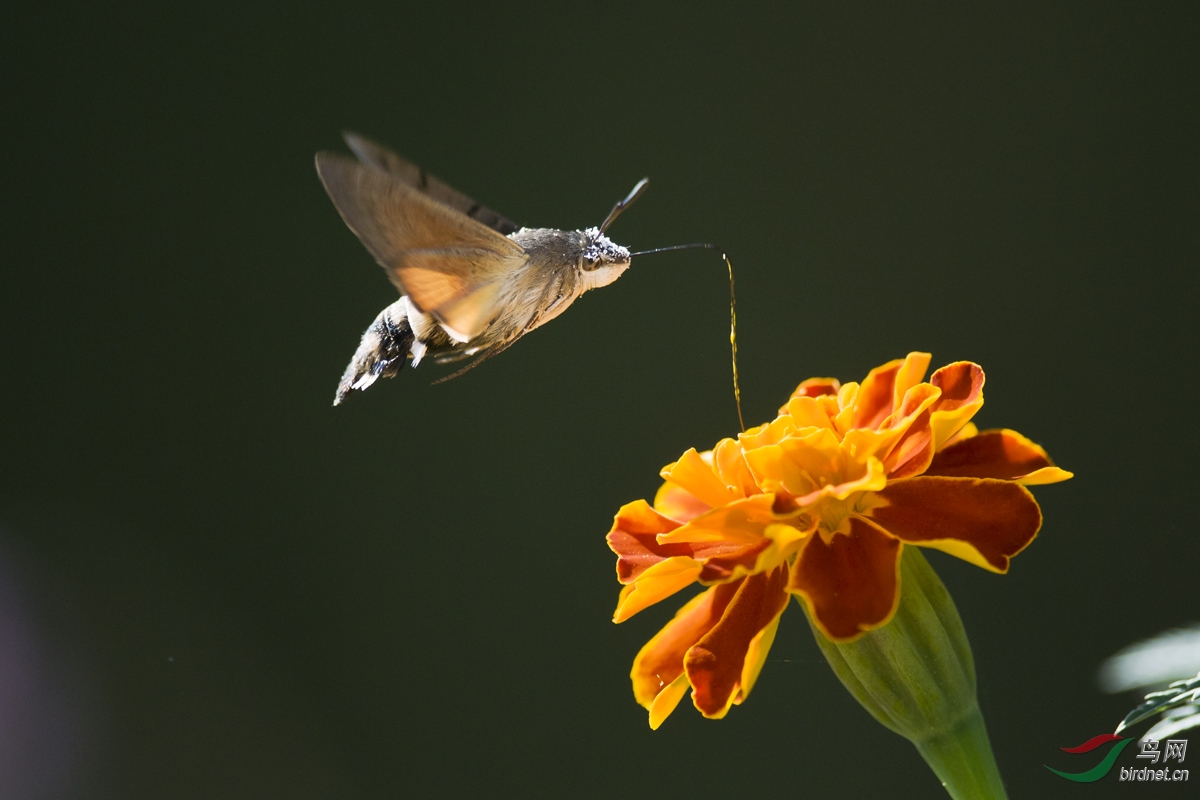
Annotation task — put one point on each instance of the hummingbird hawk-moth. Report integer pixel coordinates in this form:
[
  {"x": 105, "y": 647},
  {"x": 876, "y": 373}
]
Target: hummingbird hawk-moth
[{"x": 471, "y": 281}]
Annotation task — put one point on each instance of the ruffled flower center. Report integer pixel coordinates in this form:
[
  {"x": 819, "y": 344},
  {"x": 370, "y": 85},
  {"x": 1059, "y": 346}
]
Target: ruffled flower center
[{"x": 832, "y": 513}]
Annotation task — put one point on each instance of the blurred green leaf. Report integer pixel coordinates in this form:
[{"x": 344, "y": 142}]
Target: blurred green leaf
[{"x": 1180, "y": 693}]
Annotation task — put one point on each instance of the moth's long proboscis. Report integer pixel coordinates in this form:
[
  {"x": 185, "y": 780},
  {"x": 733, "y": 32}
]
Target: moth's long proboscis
[{"x": 737, "y": 390}]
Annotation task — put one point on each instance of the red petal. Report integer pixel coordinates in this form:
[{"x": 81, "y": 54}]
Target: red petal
[
  {"x": 961, "y": 383},
  {"x": 661, "y": 660},
  {"x": 714, "y": 665},
  {"x": 632, "y": 539},
  {"x": 850, "y": 583},
  {"x": 912, "y": 453},
  {"x": 874, "y": 400},
  {"x": 984, "y": 521},
  {"x": 962, "y": 396},
  {"x": 720, "y": 559},
  {"x": 1002, "y": 454},
  {"x": 883, "y": 389},
  {"x": 815, "y": 387}
]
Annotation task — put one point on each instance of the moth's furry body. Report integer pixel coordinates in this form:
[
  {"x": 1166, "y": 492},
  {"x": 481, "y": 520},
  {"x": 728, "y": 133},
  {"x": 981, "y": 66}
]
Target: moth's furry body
[
  {"x": 532, "y": 295},
  {"x": 467, "y": 288}
]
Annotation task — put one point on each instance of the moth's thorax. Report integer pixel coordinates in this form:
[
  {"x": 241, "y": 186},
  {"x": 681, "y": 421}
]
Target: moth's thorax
[
  {"x": 587, "y": 250},
  {"x": 542, "y": 242}
]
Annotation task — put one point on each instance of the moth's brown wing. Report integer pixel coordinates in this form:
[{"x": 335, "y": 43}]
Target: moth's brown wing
[
  {"x": 453, "y": 284},
  {"x": 447, "y": 264},
  {"x": 378, "y": 157}
]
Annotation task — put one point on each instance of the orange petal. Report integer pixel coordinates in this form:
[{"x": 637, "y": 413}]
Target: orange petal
[
  {"x": 981, "y": 520},
  {"x": 962, "y": 395},
  {"x": 696, "y": 476},
  {"x": 660, "y": 662},
  {"x": 717, "y": 662},
  {"x": 850, "y": 583},
  {"x": 1003, "y": 454},
  {"x": 677, "y": 503},
  {"x": 632, "y": 538}
]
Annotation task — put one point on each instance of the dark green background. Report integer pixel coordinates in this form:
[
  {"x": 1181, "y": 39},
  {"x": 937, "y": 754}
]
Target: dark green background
[{"x": 226, "y": 588}]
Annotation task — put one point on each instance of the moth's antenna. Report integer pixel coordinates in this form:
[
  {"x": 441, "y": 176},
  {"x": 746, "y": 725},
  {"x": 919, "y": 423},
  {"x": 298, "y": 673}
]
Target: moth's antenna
[
  {"x": 621, "y": 205},
  {"x": 737, "y": 391}
]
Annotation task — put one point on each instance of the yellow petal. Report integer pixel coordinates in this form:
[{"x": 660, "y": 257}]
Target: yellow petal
[
  {"x": 910, "y": 374},
  {"x": 1045, "y": 475},
  {"x": 773, "y": 469},
  {"x": 730, "y": 465},
  {"x": 817, "y": 454},
  {"x": 666, "y": 700},
  {"x": 847, "y": 396},
  {"x": 697, "y": 477},
  {"x": 861, "y": 443},
  {"x": 756, "y": 656},
  {"x": 771, "y": 433},
  {"x": 965, "y": 432},
  {"x": 809, "y": 412},
  {"x": 657, "y": 583},
  {"x": 739, "y": 522},
  {"x": 872, "y": 480}
]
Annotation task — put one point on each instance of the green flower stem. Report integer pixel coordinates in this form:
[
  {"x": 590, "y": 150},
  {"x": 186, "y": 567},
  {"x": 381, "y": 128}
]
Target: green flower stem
[
  {"x": 963, "y": 761},
  {"x": 916, "y": 676}
]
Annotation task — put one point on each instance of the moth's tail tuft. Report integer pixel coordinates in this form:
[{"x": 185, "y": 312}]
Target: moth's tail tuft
[{"x": 381, "y": 353}]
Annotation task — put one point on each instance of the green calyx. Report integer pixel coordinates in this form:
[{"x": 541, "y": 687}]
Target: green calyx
[{"x": 916, "y": 676}]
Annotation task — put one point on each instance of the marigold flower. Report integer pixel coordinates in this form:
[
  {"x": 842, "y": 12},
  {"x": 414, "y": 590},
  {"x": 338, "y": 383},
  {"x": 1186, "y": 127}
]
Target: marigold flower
[{"x": 819, "y": 503}]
